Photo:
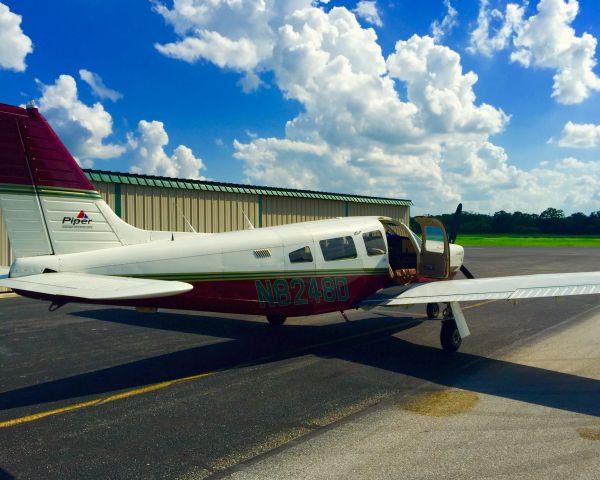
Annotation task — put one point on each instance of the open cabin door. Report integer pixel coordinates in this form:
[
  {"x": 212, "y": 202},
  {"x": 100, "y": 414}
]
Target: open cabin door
[{"x": 434, "y": 260}]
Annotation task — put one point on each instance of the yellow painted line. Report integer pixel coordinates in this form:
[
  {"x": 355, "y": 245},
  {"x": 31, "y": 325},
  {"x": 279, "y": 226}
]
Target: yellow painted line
[
  {"x": 8, "y": 295},
  {"x": 152, "y": 388},
  {"x": 169, "y": 383},
  {"x": 478, "y": 304},
  {"x": 100, "y": 401},
  {"x": 38, "y": 416}
]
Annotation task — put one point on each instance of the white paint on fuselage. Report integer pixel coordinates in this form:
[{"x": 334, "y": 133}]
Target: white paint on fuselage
[
  {"x": 225, "y": 252},
  {"x": 221, "y": 252}
]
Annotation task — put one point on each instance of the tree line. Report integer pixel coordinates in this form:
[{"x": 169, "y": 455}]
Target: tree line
[{"x": 550, "y": 221}]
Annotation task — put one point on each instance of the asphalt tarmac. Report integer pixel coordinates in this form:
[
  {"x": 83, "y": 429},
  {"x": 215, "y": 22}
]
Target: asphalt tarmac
[{"x": 94, "y": 392}]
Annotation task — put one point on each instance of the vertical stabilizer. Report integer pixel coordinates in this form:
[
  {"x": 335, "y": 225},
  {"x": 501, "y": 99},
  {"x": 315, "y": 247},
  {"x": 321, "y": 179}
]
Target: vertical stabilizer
[{"x": 48, "y": 204}]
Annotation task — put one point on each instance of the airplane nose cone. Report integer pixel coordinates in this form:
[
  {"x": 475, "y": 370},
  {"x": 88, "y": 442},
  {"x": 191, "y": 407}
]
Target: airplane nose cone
[{"x": 457, "y": 256}]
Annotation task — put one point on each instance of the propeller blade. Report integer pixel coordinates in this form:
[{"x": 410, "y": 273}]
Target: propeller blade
[
  {"x": 465, "y": 272},
  {"x": 455, "y": 224}
]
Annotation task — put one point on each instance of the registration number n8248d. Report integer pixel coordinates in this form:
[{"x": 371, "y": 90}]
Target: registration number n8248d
[{"x": 283, "y": 292}]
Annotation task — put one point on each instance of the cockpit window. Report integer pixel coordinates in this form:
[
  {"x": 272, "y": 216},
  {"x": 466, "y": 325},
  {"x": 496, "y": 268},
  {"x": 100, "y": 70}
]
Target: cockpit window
[
  {"x": 302, "y": 255},
  {"x": 338, "y": 248},
  {"x": 374, "y": 243},
  {"x": 415, "y": 237}
]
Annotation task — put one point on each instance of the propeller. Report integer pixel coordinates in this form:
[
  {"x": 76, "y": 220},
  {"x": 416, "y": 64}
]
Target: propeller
[
  {"x": 454, "y": 233},
  {"x": 465, "y": 272},
  {"x": 455, "y": 224}
]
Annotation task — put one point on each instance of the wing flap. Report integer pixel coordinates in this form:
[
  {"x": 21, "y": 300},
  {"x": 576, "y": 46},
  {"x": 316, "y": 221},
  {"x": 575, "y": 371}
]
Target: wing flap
[
  {"x": 95, "y": 287},
  {"x": 496, "y": 288}
]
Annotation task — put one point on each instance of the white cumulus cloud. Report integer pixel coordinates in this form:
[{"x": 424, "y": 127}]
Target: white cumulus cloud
[
  {"x": 84, "y": 129},
  {"x": 98, "y": 87},
  {"x": 148, "y": 149},
  {"x": 545, "y": 39},
  {"x": 430, "y": 140},
  {"x": 233, "y": 34},
  {"x": 548, "y": 40},
  {"x": 14, "y": 44},
  {"x": 494, "y": 28},
  {"x": 440, "y": 29},
  {"x": 367, "y": 10},
  {"x": 580, "y": 135}
]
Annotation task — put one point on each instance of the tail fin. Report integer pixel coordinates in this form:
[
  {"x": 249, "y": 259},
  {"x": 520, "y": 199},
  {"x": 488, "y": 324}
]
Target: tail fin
[{"x": 48, "y": 204}]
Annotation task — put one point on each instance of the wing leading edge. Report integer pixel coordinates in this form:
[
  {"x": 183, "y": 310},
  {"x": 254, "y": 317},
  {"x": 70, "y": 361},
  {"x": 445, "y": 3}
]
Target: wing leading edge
[
  {"x": 95, "y": 287},
  {"x": 499, "y": 288}
]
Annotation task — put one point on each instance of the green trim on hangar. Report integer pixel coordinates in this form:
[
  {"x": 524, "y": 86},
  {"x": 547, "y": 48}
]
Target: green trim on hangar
[{"x": 164, "y": 182}]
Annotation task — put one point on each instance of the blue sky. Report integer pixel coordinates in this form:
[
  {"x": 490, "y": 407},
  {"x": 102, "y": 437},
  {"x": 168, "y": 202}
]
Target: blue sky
[{"x": 365, "y": 118}]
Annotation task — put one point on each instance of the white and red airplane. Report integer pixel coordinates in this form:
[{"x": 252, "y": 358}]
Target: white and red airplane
[{"x": 71, "y": 247}]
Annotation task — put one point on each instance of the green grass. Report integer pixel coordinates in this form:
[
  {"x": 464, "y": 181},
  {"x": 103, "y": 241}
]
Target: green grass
[{"x": 509, "y": 240}]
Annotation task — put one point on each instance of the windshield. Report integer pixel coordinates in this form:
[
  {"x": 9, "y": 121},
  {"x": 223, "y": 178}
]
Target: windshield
[{"x": 415, "y": 237}]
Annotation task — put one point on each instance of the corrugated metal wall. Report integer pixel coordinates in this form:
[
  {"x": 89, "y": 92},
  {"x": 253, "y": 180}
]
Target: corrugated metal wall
[
  {"x": 282, "y": 210},
  {"x": 155, "y": 208},
  {"x": 393, "y": 211}
]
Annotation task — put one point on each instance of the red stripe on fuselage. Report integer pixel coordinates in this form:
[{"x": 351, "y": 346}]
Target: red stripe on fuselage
[{"x": 242, "y": 296}]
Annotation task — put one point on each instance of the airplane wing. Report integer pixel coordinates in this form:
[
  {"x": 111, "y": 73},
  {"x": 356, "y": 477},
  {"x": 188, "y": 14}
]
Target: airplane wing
[
  {"x": 95, "y": 287},
  {"x": 500, "y": 288}
]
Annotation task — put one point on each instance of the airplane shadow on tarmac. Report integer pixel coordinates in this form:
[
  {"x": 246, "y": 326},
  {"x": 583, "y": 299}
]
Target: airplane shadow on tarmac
[
  {"x": 4, "y": 475},
  {"x": 254, "y": 343}
]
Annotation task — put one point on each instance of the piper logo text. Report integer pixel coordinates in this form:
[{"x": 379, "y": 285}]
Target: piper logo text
[{"x": 81, "y": 219}]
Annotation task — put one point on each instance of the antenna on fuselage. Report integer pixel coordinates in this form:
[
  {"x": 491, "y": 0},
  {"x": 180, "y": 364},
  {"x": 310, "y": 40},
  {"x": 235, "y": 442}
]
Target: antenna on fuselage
[
  {"x": 185, "y": 220},
  {"x": 248, "y": 222}
]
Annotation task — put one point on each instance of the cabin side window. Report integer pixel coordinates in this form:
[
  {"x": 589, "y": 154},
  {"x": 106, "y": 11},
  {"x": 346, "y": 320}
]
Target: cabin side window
[
  {"x": 302, "y": 255},
  {"x": 374, "y": 243},
  {"x": 338, "y": 248}
]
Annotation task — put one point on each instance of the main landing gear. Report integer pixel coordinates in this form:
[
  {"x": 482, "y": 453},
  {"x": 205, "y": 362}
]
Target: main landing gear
[
  {"x": 454, "y": 328},
  {"x": 276, "y": 320}
]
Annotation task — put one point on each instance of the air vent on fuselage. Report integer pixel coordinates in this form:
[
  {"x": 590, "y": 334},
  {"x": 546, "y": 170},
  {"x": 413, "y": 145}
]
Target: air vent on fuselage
[{"x": 262, "y": 253}]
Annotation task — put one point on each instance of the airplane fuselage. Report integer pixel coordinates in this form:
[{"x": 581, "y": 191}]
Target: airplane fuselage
[{"x": 291, "y": 270}]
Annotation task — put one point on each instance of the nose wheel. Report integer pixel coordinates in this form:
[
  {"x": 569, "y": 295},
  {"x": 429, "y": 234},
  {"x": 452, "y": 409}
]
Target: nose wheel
[{"x": 433, "y": 311}]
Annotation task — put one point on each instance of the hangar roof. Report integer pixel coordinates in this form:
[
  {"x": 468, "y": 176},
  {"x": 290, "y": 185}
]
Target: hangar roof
[{"x": 166, "y": 182}]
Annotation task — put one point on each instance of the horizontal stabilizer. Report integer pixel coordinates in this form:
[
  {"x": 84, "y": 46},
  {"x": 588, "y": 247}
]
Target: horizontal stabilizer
[
  {"x": 498, "y": 288},
  {"x": 95, "y": 287}
]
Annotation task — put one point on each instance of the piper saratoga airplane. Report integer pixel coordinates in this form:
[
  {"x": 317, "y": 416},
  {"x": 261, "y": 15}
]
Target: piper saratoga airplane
[{"x": 71, "y": 247}]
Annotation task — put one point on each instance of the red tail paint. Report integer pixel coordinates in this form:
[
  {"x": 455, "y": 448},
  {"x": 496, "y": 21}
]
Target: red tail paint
[{"x": 32, "y": 154}]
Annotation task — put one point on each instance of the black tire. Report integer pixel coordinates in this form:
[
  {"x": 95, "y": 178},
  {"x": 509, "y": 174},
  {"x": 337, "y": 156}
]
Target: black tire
[
  {"x": 449, "y": 336},
  {"x": 433, "y": 311},
  {"x": 276, "y": 320}
]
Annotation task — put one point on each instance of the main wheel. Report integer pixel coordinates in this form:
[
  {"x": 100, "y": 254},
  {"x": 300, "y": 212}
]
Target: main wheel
[
  {"x": 450, "y": 336},
  {"x": 433, "y": 311},
  {"x": 276, "y": 320}
]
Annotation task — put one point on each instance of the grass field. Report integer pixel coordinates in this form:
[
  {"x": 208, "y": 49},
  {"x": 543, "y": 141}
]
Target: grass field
[{"x": 471, "y": 240}]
